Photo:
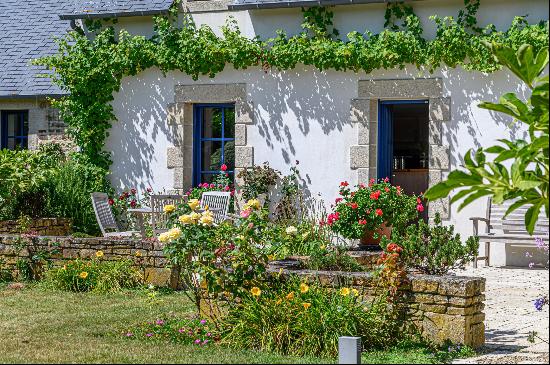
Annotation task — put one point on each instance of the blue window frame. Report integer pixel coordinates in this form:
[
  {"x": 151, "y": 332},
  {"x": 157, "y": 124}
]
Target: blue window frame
[
  {"x": 385, "y": 134},
  {"x": 214, "y": 141},
  {"x": 14, "y": 129}
]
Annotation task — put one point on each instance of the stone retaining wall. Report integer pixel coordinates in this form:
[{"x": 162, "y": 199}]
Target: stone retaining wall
[
  {"x": 145, "y": 253},
  {"x": 41, "y": 226},
  {"x": 444, "y": 308}
]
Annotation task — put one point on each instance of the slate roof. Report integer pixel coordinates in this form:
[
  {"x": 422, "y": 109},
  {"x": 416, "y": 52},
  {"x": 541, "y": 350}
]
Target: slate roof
[
  {"x": 116, "y": 8},
  {"x": 27, "y": 28}
]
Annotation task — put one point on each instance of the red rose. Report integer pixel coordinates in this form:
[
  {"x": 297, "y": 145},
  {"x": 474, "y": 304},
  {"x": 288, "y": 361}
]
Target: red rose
[
  {"x": 133, "y": 191},
  {"x": 371, "y": 182},
  {"x": 386, "y": 179},
  {"x": 353, "y": 205},
  {"x": 122, "y": 197},
  {"x": 338, "y": 200},
  {"x": 362, "y": 222},
  {"x": 386, "y": 189},
  {"x": 418, "y": 200},
  {"x": 420, "y": 208},
  {"x": 111, "y": 202},
  {"x": 362, "y": 186},
  {"x": 223, "y": 167},
  {"x": 344, "y": 183},
  {"x": 133, "y": 203},
  {"x": 379, "y": 212},
  {"x": 375, "y": 195}
]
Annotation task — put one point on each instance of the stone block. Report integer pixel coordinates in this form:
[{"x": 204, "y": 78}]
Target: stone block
[
  {"x": 156, "y": 276},
  {"x": 373, "y": 111},
  {"x": 440, "y": 109},
  {"x": 359, "y": 111},
  {"x": 175, "y": 113},
  {"x": 174, "y": 157},
  {"x": 363, "y": 134},
  {"x": 435, "y": 133},
  {"x": 244, "y": 156},
  {"x": 210, "y": 93},
  {"x": 433, "y": 308},
  {"x": 434, "y": 177},
  {"x": 240, "y": 134},
  {"x": 359, "y": 156},
  {"x": 441, "y": 206},
  {"x": 425, "y": 285},
  {"x": 363, "y": 176},
  {"x": 439, "y": 157},
  {"x": 400, "y": 88},
  {"x": 244, "y": 112}
]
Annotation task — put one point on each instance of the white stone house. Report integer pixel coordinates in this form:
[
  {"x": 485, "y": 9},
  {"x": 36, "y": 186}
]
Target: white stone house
[{"x": 328, "y": 120}]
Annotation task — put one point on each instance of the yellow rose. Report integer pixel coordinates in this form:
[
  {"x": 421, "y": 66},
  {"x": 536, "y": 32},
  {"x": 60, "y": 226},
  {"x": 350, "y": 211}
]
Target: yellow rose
[
  {"x": 195, "y": 217},
  {"x": 169, "y": 208},
  {"x": 174, "y": 233},
  {"x": 304, "y": 288},
  {"x": 279, "y": 301},
  {"x": 185, "y": 219},
  {"x": 290, "y": 296},
  {"x": 253, "y": 203},
  {"x": 194, "y": 204},
  {"x": 306, "y": 305},
  {"x": 355, "y": 292},
  {"x": 206, "y": 220},
  {"x": 344, "y": 292},
  {"x": 256, "y": 291},
  {"x": 164, "y": 237},
  {"x": 99, "y": 254},
  {"x": 83, "y": 275}
]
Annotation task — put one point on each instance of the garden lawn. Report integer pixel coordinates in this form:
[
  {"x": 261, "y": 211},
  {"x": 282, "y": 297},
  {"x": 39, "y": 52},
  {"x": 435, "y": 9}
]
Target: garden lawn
[{"x": 41, "y": 325}]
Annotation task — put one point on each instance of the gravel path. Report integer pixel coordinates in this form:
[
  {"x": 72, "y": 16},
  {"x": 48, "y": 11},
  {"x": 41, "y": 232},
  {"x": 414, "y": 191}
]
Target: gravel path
[{"x": 510, "y": 316}]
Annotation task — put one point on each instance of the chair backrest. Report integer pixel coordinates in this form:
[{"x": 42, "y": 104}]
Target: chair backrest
[
  {"x": 515, "y": 221},
  {"x": 159, "y": 219},
  {"x": 217, "y": 202},
  {"x": 103, "y": 213}
]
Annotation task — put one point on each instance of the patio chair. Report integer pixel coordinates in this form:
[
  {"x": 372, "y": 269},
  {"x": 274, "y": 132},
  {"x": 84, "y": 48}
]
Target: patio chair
[
  {"x": 105, "y": 217},
  {"x": 159, "y": 219},
  {"x": 218, "y": 203}
]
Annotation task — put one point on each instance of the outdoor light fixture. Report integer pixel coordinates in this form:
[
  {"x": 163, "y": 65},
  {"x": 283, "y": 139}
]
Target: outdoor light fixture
[{"x": 349, "y": 350}]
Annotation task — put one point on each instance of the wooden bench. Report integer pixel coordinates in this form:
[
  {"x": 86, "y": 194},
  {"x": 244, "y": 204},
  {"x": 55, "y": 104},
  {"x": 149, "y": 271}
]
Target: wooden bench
[{"x": 511, "y": 229}]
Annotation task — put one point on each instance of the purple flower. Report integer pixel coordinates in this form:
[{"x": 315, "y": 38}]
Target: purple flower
[
  {"x": 160, "y": 322},
  {"x": 531, "y": 264},
  {"x": 203, "y": 321},
  {"x": 197, "y": 341},
  {"x": 208, "y": 334},
  {"x": 129, "y": 334},
  {"x": 181, "y": 330},
  {"x": 540, "y": 303},
  {"x": 149, "y": 335},
  {"x": 204, "y": 342}
]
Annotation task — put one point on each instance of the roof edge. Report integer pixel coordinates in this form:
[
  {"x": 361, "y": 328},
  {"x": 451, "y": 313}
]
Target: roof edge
[
  {"x": 92, "y": 15},
  {"x": 30, "y": 96},
  {"x": 300, "y": 3}
]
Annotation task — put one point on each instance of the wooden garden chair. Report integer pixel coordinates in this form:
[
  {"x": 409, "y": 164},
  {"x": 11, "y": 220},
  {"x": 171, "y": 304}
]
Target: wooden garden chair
[
  {"x": 159, "y": 219},
  {"x": 105, "y": 217},
  {"x": 218, "y": 204}
]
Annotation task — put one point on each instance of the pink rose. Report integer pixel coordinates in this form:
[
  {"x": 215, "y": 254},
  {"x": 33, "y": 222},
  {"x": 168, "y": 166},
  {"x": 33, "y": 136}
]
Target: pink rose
[
  {"x": 223, "y": 167},
  {"x": 246, "y": 213}
]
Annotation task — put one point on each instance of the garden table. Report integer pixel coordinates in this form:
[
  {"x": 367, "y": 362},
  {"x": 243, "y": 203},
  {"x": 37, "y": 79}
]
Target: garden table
[{"x": 139, "y": 213}]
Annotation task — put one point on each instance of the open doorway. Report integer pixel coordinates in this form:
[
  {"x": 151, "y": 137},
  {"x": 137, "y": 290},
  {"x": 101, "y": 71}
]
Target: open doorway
[{"x": 403, "y": 147}]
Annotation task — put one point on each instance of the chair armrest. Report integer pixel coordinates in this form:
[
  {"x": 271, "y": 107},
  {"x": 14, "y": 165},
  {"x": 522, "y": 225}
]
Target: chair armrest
[{"x": 480, "y": 219}]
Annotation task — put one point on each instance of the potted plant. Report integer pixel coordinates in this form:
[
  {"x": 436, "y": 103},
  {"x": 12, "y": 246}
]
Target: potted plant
[{"x": 371, "y": 211}]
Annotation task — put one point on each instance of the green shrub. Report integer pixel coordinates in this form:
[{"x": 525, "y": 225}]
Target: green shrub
[
  {"x": 435, "y": 250},
  {"x": 305, "y": 238},
  {"x": 68, "y": 192},
  {"x": 333, "y": 259},
  {"x": 95, "y": 275},
  {"x": 5, "y": 272},
  {"x": 301, "y": 319}
]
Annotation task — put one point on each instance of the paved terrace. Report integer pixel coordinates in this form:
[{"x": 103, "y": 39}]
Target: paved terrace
[{"x": 510, "y": 316}]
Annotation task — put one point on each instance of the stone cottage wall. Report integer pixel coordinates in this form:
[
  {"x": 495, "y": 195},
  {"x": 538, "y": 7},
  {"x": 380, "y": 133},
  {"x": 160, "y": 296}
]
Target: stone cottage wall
[{"x": 42, "y": 226}]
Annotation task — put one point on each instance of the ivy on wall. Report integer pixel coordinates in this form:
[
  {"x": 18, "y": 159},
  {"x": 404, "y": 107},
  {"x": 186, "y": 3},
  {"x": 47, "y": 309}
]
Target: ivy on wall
[{"x": 91, "y": 68}]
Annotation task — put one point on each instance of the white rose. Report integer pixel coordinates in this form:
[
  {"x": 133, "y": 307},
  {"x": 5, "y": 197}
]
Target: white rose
[{"x": 291, "y": 230}]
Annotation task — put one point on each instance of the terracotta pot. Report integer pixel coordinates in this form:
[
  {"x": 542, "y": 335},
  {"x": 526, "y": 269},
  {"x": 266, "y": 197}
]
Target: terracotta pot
[{"x": 368, "y": 237}]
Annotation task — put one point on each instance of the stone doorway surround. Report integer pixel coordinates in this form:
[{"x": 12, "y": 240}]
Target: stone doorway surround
[
  {"x": 179, "y": 157},
  {"x": 364, "y": 113}
]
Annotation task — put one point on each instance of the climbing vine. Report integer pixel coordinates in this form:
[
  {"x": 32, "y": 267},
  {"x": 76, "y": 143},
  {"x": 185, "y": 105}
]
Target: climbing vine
[{"x": 91, "y": 69}]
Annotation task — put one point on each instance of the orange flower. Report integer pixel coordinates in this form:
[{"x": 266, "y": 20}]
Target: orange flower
[
  {"x": 306, "y": 305},
  {"x": 290, "y": 296}
]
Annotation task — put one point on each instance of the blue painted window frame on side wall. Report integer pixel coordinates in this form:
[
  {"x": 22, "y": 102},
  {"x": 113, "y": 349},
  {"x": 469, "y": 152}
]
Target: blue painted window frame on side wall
[
  {"x": 22, "y": 137},
  {"x": 198, "y": 139},
  {"x": 385, "y": 135}
]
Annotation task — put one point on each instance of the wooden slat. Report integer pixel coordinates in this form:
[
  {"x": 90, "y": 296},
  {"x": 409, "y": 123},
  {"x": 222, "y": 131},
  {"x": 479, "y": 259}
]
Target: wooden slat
[{"x": 511, "y": 238}]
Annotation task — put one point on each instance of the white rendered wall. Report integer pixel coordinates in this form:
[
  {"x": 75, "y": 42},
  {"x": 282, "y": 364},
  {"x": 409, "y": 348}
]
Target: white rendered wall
[{"x": 303, "y": 114}]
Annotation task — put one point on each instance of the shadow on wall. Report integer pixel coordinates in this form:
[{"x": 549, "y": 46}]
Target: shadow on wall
[
  {"x": 467, "y": 89},
  {"x": 140, "y": 128},
  {"x": 318, "y": 104}
]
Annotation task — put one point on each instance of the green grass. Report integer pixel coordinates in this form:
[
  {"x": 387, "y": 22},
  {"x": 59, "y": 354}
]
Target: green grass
[{"x": 42, "y": 325}]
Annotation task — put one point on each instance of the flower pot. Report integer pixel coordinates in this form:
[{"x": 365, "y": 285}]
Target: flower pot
[{"x": 368, "y": 237}]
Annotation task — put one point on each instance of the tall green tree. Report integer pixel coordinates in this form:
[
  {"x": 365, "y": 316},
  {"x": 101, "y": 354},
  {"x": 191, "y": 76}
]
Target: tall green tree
[{"x": 517, "y": 169}]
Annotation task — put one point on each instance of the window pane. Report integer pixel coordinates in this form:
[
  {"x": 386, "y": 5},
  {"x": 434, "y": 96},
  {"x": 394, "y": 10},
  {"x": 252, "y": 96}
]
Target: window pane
[
  {"x": 13, "y": 124},
  {"x": 211, "y": 123},
  {"x": 229, "y": 154},
  {"x": 11, "y": 144},
  {"x": 21, "y": 143},
  {"x": 229, "y": 124},
  {"x": 211, "y": 153},
  {"x": 207, "y": 178}
]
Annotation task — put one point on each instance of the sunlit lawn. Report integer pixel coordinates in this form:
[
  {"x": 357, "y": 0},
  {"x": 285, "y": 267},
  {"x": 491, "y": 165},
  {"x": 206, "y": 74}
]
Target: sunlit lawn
[{"x": 41, "y": 325}]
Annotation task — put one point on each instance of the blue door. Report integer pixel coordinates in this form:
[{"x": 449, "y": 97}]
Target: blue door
[
  {"x": 214, "y": 141},
  {"x": 386, "y": 135}
]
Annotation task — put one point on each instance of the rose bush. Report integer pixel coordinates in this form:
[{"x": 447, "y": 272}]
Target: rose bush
[{"x": 367, "y": 208}]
